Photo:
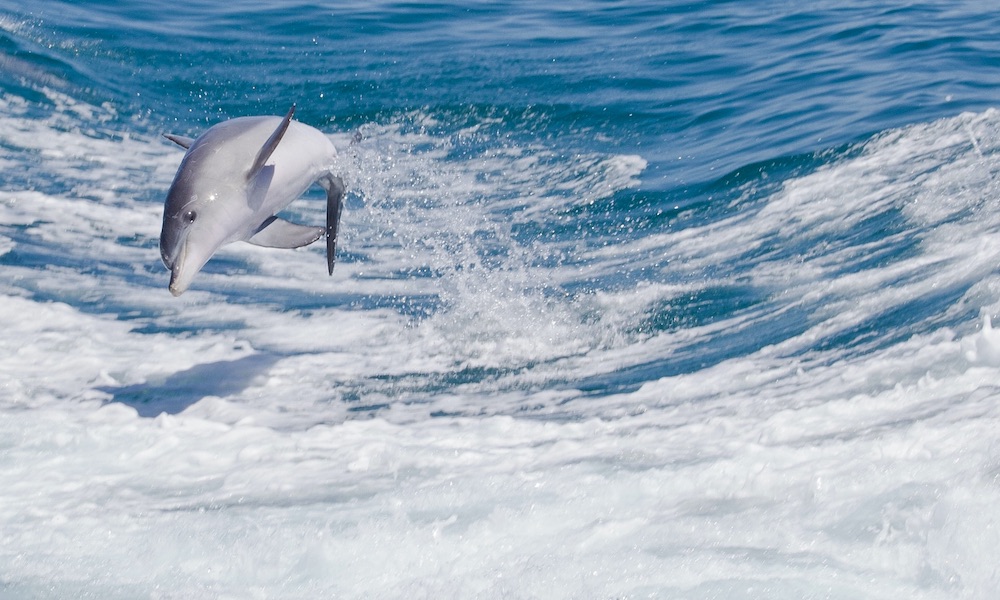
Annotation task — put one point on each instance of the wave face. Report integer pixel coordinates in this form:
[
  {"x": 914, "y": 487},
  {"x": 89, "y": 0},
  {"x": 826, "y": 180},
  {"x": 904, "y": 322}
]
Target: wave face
[{"x": 683, "y": 302}]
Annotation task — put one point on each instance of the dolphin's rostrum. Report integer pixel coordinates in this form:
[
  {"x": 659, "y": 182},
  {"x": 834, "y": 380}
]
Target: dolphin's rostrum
[{"x": 232, "y": 181}]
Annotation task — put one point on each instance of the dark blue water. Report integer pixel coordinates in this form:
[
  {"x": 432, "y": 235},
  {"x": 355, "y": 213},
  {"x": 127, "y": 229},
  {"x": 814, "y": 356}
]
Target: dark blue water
[{"x": 699, "y": 89}]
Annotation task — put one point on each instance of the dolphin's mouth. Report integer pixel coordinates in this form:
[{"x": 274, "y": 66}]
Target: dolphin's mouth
[
  {"x": 175, "y": 286},
  {"x": 172, "y": 243},
  {"x": 187, "y": 262},
  {"x": 178, "y": 281},
  {"x": 167, "y": 260}
]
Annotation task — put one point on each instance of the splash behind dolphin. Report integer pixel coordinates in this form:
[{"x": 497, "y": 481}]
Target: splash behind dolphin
[{"x": 232, "y": 181}]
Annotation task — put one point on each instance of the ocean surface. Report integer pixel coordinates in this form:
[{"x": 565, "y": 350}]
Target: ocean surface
[{"x": 633, "y": 300}]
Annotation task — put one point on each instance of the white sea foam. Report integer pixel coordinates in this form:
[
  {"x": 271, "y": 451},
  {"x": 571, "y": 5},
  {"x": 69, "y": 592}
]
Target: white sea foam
[{"x": 210, "y": 447}]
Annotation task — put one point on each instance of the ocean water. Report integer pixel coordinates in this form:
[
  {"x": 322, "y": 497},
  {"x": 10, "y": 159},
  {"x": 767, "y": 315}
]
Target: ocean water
[{"x": 633, "y": 300}]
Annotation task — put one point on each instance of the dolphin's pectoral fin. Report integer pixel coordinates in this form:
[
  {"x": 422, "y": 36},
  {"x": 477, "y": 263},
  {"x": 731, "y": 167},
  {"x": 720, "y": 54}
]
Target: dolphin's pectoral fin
[
  {"x": 268, "y": 148},
  {"x": 279, "y": 233},
  {"x": 180, "y": 140},
  {"x": 334, "y": 205}
]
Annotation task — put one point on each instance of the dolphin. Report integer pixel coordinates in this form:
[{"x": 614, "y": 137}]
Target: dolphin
[{"x": 231, "y": 182}]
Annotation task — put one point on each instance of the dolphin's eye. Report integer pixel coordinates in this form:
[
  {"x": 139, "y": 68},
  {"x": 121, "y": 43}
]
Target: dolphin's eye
[{"x": 190, "y": 216}]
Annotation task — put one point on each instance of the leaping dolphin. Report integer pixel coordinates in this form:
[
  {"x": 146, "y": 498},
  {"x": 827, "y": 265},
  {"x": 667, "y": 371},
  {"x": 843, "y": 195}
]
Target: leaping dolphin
[{"x": 232, "y": 181}]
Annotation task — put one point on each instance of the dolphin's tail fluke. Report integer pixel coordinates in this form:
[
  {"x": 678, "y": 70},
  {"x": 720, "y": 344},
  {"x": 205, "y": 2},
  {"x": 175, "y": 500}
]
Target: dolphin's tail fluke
[{"x": 334, "y": 205}]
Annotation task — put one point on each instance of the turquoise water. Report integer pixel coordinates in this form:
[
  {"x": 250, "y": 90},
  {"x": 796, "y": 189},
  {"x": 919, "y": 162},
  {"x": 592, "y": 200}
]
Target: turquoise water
[{"x": 699, "y": 290}]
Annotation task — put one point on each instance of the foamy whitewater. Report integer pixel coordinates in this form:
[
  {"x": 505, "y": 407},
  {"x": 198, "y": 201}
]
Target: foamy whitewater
[{"x": 564, "y": 354}]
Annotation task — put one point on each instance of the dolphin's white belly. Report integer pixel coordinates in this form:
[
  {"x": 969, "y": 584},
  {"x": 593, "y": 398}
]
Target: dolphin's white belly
[{"x": 303, "y": 156}]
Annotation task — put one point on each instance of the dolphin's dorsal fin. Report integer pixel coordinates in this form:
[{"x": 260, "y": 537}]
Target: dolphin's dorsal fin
[
  {"x": 180, "y": 140},
  {"x": 279, "y": 233},
  {"x": 270, "y": 145}
]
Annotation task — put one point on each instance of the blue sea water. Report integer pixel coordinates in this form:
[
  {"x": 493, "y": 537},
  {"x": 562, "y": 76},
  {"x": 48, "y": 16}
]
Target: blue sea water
[{"x": 633, "y": 299}]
